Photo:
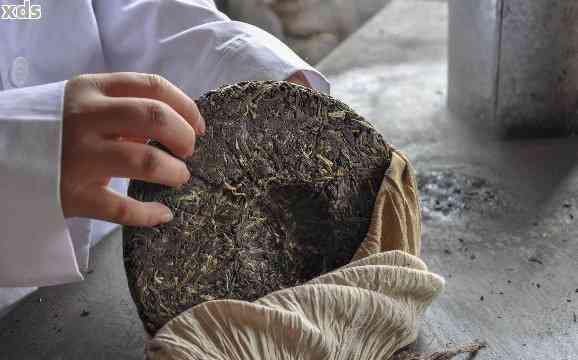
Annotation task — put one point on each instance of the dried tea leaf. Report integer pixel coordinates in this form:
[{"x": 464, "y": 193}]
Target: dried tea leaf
[{"x": 279, "y": 195}]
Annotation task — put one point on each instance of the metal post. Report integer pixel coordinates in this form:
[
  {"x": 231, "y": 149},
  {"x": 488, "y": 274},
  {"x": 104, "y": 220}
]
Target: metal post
[{"x": 513, "y": 64}]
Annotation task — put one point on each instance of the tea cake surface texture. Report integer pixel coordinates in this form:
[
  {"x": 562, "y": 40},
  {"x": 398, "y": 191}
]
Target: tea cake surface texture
[{"x": 282, "y": 189}]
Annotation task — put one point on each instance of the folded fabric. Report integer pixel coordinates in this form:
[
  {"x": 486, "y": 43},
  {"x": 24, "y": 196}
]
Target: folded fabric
[{"x": 367, "y": 309}]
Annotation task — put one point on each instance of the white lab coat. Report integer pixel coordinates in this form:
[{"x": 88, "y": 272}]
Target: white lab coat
[{"x": 189, "y": 42}]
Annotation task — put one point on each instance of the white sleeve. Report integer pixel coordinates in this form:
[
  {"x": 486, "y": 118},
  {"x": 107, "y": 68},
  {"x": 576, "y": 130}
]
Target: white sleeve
[
  {"x": 193, "y": 45},
  {"x": 35, "y": 246}
]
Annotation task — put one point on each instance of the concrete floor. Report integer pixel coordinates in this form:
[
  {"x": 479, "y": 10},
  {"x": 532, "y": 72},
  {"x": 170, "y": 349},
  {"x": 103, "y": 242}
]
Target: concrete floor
[{"x": 500, "y": 218}]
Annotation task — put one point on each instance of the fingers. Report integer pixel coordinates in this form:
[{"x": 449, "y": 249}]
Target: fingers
[
  {"x": 107, "y": 118},
  {"x": 153, "y": 87},
  {"x": 136, "y": 118},
  {"x": 105, "y": 204},
  {"x": 126, "y": 159}
]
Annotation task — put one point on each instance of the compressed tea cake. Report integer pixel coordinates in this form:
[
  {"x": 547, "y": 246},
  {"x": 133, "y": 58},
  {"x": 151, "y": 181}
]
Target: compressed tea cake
[{"x": 282, "y": 189}]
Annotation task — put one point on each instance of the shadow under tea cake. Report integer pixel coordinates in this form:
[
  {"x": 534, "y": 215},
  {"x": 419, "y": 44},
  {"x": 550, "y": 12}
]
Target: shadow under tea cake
[{"x": 282, "y": 190}]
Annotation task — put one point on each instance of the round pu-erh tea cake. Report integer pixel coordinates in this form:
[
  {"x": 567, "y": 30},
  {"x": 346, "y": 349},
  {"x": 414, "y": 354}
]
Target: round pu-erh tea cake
[{"x": 282, "y": 189}]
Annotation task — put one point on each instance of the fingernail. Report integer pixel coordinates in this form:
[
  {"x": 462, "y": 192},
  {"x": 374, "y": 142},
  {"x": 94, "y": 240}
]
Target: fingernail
[
  {"x": 187, "y": 176},
  {"x": 191, "y": 152},
  {"x": 167, "y": 217},
  {"x": 203, "y": 126}
]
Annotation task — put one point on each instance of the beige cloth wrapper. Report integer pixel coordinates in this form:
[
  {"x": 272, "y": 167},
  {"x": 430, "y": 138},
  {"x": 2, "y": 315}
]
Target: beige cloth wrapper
[{"x": 365, "y": 310}]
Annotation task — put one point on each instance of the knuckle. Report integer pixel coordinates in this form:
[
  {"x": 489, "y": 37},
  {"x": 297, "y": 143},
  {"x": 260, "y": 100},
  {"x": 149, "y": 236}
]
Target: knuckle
[
  {"x": 156, "y": 115},
  {"x": 150, "y": 161},
  {"x": 122, "y": 213},
  {"x": 87, "y": 80},
  {"x": 155, "y": 83}
]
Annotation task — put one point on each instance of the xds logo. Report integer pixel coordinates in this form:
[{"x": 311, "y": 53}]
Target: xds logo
[{"x": 25, "y": 11}]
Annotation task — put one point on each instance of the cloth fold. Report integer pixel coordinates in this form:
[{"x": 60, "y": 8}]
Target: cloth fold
[{"x": 367, "y": 309}]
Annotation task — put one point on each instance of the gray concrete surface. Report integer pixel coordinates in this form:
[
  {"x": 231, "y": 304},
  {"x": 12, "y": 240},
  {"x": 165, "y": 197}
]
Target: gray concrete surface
[
  {"x": 500, "y": 218},
  {"x": 95, "y": 319}
]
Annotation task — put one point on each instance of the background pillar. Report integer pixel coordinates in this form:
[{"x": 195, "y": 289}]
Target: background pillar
[{"x": 513, "y": 64}]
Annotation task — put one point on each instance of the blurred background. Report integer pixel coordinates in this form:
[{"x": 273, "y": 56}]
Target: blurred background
[{"x": 313, "y": 28}]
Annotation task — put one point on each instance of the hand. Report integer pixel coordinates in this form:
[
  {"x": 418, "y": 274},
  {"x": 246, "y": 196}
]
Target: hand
[
  {"x": 107, "y": 121},
  {"x": 299, "y": 78}
]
